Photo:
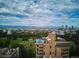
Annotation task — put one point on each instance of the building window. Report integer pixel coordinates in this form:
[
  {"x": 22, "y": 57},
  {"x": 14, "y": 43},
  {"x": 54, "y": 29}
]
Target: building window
[
  {"x": 50, "y": 53},
  {"x": 40, "y": 53},
  {"x": 50, "y": 47},
  {"x": 65, "y": 56},
  {"x": 40, "y": 50},
  {"x": 65, "y": 49},
  {"x": 41, "y": 47}
]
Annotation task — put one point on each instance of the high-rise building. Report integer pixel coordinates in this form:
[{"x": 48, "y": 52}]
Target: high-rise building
[{"x": 51, "y": 46}]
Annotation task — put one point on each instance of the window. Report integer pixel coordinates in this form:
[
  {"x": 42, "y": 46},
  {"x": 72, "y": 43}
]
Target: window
[
  {"x": 65, "y": 56},
  {"x": 65, "y": 49},
  {"x": 40, "y": 53},
  {"x": 50, "y": 47},
  {"x": 40, "y": 50},
  {"x": 41, "y": 47},
  {"x": 50, "y": 53}
]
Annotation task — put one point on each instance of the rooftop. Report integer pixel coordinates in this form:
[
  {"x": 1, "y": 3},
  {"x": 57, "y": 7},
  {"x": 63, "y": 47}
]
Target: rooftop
[{"x": 62, "y": 43}]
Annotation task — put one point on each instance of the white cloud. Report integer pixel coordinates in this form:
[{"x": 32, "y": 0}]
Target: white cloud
[
  {"x": 44, "y": 13},
  {"x": 36, "y": 21}
]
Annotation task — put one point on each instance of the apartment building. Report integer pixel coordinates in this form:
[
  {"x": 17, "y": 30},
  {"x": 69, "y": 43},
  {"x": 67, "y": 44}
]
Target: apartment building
[{"x": 52, "y": 46}]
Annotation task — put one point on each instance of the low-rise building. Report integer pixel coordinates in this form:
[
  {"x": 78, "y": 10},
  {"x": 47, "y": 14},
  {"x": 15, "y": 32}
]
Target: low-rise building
[{"x": 9, "y": 52}]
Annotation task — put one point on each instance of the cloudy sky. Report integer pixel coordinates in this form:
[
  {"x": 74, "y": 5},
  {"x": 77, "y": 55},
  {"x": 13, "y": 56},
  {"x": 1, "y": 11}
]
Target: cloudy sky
[{"x": 39, "y": 12}]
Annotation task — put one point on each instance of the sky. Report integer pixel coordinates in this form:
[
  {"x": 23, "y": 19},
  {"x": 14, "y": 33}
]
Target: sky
[{"x": 39, "y": 13}]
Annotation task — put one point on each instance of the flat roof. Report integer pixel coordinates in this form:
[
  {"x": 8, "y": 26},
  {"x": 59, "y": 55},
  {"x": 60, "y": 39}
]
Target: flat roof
[{"x": 62, "y": 43}]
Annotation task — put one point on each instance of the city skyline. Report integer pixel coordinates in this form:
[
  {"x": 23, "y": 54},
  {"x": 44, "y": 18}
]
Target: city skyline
[{"x": 39, "y": 13}]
